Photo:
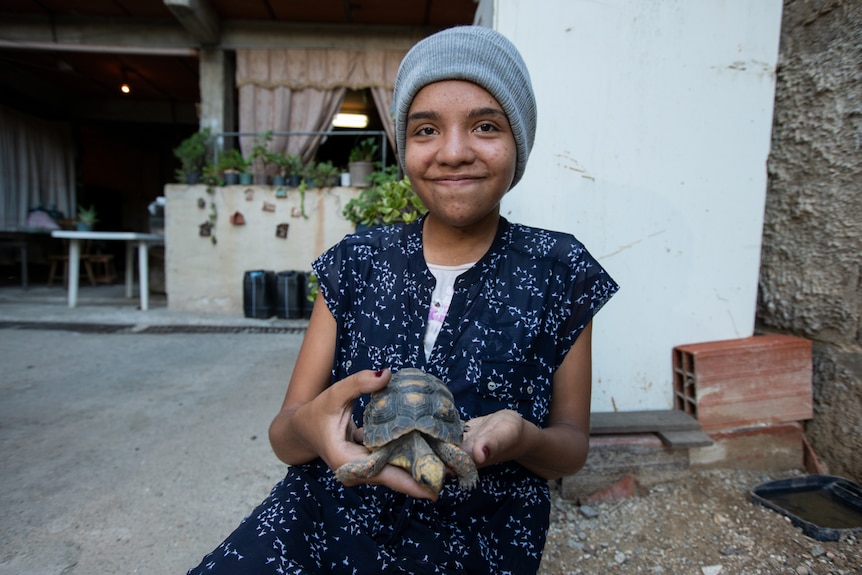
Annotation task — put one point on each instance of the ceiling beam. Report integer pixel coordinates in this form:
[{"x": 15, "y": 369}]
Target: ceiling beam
[
  {"x": 198, "y": 18},
  {"x": 98, "y": 48},
  {"x": 66, "y": 33},
  {"x": 279, "y": 35},
  {"x": 165, "y": 37}
]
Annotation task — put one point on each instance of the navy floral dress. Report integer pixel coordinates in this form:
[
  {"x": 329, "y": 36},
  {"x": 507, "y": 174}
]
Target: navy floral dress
[{"x": 512, "y": 319}]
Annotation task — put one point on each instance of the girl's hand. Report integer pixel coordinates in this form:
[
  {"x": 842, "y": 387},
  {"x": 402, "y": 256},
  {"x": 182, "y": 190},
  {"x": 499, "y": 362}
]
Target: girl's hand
[
  {"x": 335, "y": 437},
  {"x": 560, "y": 447},
  {"x": 496, "y": 437},
  {"x": 315, "y": 417}
]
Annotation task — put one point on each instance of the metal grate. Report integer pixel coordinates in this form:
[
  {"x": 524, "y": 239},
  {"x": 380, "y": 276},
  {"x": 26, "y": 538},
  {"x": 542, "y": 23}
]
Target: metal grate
[
  {"x": 65, "y": 326},
  {"x": 152, "y": 329},
  {"x": 157, "y": 329}
]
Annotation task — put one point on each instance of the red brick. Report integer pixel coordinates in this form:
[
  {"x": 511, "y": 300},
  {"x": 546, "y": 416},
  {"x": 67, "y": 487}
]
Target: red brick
[
  {"x": 612, "y": 457},
  {"x": 622, "y": 489},
  {"x": 739, "y": 383},
  {"x": 757, "y": 448}
]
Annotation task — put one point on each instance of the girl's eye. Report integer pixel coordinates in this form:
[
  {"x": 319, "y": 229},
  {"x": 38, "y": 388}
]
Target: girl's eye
[
  {"x": 486, "y": 128},
  {"x": 425, "y": 131}
]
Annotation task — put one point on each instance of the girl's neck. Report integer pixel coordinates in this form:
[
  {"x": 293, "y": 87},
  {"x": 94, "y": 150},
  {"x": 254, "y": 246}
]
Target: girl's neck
[{"x": 450, "y": 246}]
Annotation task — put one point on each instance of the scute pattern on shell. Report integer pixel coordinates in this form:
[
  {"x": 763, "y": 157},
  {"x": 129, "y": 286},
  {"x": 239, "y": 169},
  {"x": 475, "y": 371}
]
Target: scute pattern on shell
[{"x": 413, "y": 400}]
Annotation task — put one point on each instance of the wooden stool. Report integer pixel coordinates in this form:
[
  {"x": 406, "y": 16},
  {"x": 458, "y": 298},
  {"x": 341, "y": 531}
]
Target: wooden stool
[
  {"x": 103, "y": 267},
  {"x": 57, "y": 260},
  {"x": 20, "y": 245},
  {"x": 64, "y": 260}
]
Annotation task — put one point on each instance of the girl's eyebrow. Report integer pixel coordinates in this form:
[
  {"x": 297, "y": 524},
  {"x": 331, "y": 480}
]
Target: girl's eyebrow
[
  {"x": 479, "y": 112},
  {"x": 423, "y": 116},
  {"x": 475, "y": 113}
]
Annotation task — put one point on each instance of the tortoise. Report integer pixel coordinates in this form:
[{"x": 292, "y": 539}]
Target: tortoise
[{"x": 413, "y": 423}]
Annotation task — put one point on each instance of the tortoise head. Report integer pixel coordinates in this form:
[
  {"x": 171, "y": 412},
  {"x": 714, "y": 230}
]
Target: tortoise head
[{"x": 429, "y": 471}]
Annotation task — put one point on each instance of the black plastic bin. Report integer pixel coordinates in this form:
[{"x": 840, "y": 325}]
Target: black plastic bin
[
  {"x": 289, "y": 294},
  {"x": 823, "y": 506},
  {"x": 258, "y": 287}
]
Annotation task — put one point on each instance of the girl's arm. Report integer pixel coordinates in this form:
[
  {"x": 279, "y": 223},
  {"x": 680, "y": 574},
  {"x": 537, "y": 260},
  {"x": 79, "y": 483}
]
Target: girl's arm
[
  {"x": 315, "y": 417},
  {"x": 311, "y": 376},
  {"x": 560, "y": 448}
]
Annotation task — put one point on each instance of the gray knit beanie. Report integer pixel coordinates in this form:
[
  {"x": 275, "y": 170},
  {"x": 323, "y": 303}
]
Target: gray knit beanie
[{"x": 479, "y": 55}]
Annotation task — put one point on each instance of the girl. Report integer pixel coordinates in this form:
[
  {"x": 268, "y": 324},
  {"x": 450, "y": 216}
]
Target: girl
[{"x": 500, "y": 312}]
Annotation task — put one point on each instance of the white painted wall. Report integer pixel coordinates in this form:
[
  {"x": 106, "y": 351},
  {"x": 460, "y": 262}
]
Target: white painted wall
[
  {"x": 202, "y": 276},
  {"x": 653, "y": 135}
]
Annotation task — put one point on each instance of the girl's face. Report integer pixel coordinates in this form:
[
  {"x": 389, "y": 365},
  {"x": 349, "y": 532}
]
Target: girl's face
[{"x": 460, "y": 153}]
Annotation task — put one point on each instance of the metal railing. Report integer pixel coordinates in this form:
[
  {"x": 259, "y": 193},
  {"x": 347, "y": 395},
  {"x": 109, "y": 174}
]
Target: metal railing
[{"x": 384, "y": 146}]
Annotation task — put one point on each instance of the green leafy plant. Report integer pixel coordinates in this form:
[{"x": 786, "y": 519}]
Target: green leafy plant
[
  {"x": 364, "y": 151},
  {"x": 302, "y": 188},
  {"x": 321, "y": 173},
  {"x": 212, "y": 176},
  {"x": 260, "y": 152},
  {"x": 381, "y": 176},
  {"x": 87, "y": 215},
  {"x": 388, "y": 201},
  {"x": 312, "y": 287},
  {"x": 233, "y": 161},
  {"x": 288, "y": 164},
  {"x": 193, "y": 153},
  {"x": 308, "y": 172}
]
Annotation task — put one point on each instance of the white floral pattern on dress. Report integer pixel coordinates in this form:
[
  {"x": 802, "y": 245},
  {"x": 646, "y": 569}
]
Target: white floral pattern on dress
[{"x": 512, "y": 319}]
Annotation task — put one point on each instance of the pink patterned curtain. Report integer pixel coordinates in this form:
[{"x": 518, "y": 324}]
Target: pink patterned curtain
[
  {"x": 383, "y": 103},
  {"x": 300, "y": 90}
]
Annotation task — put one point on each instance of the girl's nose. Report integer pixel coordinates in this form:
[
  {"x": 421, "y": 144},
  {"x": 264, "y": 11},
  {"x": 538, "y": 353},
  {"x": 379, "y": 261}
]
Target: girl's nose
[{"x": 455, "y": 148}]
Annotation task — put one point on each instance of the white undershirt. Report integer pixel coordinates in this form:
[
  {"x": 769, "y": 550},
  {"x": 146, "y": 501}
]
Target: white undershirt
[{"x": 441, "y": 298}]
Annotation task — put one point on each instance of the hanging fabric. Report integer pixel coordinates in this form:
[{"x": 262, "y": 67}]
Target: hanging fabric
[
  {"x": 301, "y": 90},
  {"x": 37, "y": 167}
]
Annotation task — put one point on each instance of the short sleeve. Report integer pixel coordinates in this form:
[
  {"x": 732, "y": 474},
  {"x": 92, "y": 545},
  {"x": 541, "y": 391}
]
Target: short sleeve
[
  {"x": 328, "y": 267},
  {"x": 586, "y": 290}
]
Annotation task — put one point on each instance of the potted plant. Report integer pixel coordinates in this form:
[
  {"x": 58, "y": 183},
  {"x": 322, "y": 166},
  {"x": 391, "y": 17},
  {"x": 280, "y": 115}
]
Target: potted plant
[
  {"x": 289, "y": 169},
  {"x": 278, "y": 160},
  {"x": 325, "y": 174},
  {"x": 192, "y": 154},
  {"x": 387, "y": 201},
  {"x": 211, "y": 177},
  {"x": 360, "y": 163},
  {"x": 246, "y": 178},
  {"x": 293, "y": 170},
  {"x": 86, "y": 218},
  {"x": 233, "y": 165},
  {"x": 260, "y": 154}
]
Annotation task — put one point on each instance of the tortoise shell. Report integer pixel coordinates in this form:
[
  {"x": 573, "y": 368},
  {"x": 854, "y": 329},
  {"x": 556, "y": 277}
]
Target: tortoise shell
[{"x": 413, "y": 401}]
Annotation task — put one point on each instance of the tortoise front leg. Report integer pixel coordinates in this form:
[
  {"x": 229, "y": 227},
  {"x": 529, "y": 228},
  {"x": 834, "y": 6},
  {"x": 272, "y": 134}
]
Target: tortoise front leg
[{"x": 364, "y": 468}]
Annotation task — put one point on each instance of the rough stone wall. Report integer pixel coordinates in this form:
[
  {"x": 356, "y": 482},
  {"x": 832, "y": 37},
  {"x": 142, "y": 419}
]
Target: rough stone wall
[{"x": 811, "y": 268}]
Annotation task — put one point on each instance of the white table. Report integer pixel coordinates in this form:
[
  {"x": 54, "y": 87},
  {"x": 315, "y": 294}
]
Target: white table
[{"x": 143, "y": 242}]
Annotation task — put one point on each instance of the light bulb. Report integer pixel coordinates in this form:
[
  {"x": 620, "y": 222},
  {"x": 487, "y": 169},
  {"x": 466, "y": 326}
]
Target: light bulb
[{"x": 350, "y": 121}]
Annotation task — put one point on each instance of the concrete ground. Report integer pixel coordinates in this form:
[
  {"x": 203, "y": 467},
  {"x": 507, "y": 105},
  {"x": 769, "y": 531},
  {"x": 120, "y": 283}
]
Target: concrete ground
[
  {"x": 131, "y": 441},
  {"x": 134, "y": 442}
]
